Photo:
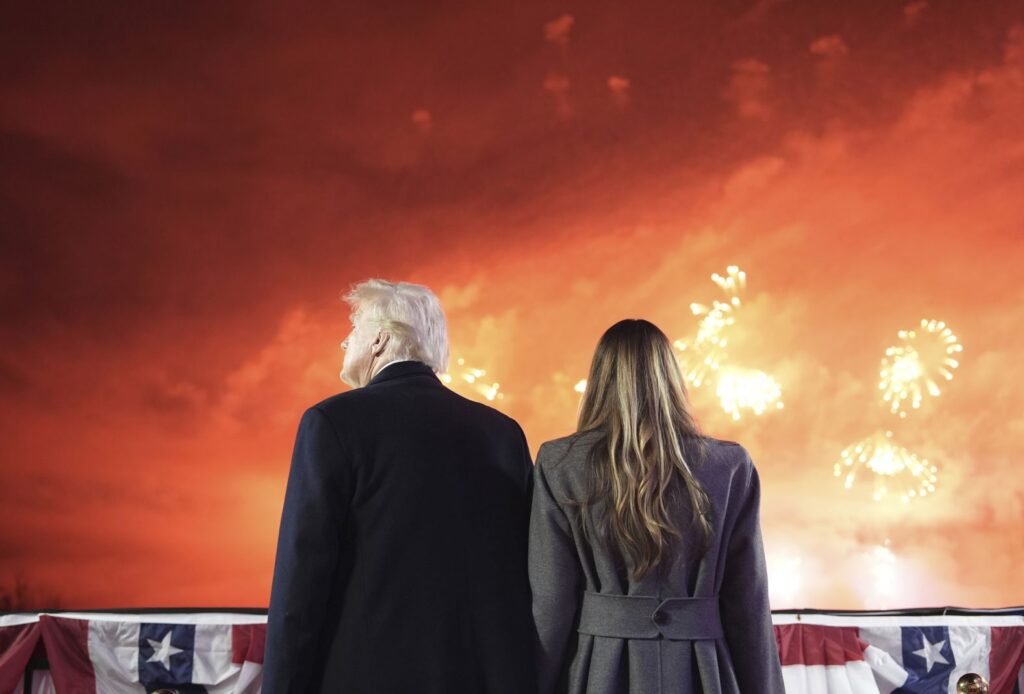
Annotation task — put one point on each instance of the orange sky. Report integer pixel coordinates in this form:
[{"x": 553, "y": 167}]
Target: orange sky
[{"x": 187, "y": 190}]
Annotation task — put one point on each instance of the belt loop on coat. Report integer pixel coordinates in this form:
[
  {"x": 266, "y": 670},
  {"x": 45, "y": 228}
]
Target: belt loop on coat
[{"x": 642, "y": 617}]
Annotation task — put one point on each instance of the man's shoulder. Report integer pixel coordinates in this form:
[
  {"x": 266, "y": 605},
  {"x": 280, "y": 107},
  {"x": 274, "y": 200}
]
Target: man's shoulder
[
  {"x": 341, "y": 401},
  {"x": 349, "y": 407},
  {"x": 343, "y": 405},
  {"x": 490, "y": 416}
]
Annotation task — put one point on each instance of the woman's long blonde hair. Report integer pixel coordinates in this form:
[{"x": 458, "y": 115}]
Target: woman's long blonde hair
[{"x": 635, "y": 397}]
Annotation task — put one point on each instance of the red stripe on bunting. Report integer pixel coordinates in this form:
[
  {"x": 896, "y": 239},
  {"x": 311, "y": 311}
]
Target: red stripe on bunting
[
  {"x": 17, "y": 643},
  {"x": 67, "y": 649},
  {"x": 1006, "y": 658},
  {"x": 248, "y": 643},
  {"x": 813, "y": 644}
]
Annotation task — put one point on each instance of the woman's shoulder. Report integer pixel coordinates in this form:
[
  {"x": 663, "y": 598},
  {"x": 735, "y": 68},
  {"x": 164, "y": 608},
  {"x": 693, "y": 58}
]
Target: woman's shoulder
[
  {"x": 726, "y": 452},
  {"x": 729, "y": 460},
  {"x": 574, "y": 446},
  {"x": 561, "y": 462},
  {"x": 579, "y": 442}
]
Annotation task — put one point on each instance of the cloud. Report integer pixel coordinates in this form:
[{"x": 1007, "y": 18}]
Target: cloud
[
  {"x": 1013, "y": 53},
  {"x": 557, "y": 84},
  {"x": 619, "y": 88},
  {"x": 752, "y": 177},
  {"x": 422, "y": 119},
  {"x": 456, "y": 297},
  {"x": 913, "y": 11},
  {"x": 831, "y": 219},
  {"x": 831, "y": 51},
  {"x": 176, "y": 262},
  {"x": 749, "y": 87},
  {"x": 830, "y": 47},
  {"x": 759, "y": 10},
  {"x": 557, "y": 30},
  {"x": 283, "y": 375}
]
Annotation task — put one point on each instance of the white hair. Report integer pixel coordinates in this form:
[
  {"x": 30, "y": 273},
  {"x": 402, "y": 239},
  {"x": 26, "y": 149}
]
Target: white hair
[{"x": 410, "y": 313}]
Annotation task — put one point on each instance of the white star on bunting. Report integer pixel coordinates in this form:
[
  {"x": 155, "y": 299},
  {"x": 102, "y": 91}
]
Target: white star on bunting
[
  {"x": 162, "y": 651},
  {"x": 931, "y": 653}
]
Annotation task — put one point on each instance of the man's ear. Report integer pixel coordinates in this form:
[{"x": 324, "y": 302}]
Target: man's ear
[{"x": 380, "y": 343}]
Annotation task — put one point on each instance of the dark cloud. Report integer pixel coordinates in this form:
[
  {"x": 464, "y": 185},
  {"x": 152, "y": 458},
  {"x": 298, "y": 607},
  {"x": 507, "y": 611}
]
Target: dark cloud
[
  {"x": 557, "y": 30},
  {"x": 749, "y": 88},
  {"x": 912, "y": 11},
  {"x": 186, "y": 189},
  {"x": 830, "y": 47}
]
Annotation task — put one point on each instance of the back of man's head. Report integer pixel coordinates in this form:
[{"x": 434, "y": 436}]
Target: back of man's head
[{"x": 410, "y": 313}]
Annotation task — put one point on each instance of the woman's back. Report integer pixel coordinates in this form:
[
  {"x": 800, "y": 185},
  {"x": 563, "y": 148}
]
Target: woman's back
[{"x": 696, "y": 623}]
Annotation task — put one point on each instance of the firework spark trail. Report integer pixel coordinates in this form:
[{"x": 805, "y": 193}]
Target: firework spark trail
[
  {"x": 891, "y": 467},
  {"x": 911, "y": 368},
  {"x": 707, "y": 350},
  {"x": 702, "y": 356},
  {"x": 747, "y": 389},
  {"x": 473, "y": 377}
]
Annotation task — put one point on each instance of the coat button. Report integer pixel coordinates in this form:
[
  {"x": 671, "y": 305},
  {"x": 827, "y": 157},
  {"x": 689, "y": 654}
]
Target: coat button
[{"x": 660, "y": 618}]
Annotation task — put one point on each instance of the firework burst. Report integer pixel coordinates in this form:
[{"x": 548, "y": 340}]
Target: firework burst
[
  {"x": 706, "y": 351},
  {"x": 891, "y": 468},
  {"x": 916, "y": 365},
  {"x": 747, "y": 389}
]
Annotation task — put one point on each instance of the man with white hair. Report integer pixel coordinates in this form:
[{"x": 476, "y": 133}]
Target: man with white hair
[{"x": 401, "y": 557}]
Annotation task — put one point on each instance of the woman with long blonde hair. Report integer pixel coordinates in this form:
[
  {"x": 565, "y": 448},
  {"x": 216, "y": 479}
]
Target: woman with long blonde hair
[{"x": 645, "y": 558}]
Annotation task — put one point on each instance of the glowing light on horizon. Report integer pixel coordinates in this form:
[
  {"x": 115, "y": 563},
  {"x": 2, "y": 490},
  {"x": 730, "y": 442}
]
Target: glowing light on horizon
[
  {"x": 893, "y": 468},
  {"x": 786, "y": 578},
  {"x": 475, "y": 378},
  {"x": 885, "y": 575},
  {"x": 913, "y": 367},
  {"x": 747, "y": 389},
  {"x": 706, "y": 351}
]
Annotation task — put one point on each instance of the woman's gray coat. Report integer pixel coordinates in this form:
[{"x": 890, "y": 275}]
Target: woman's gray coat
[{"x": 698, "y": 625}]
